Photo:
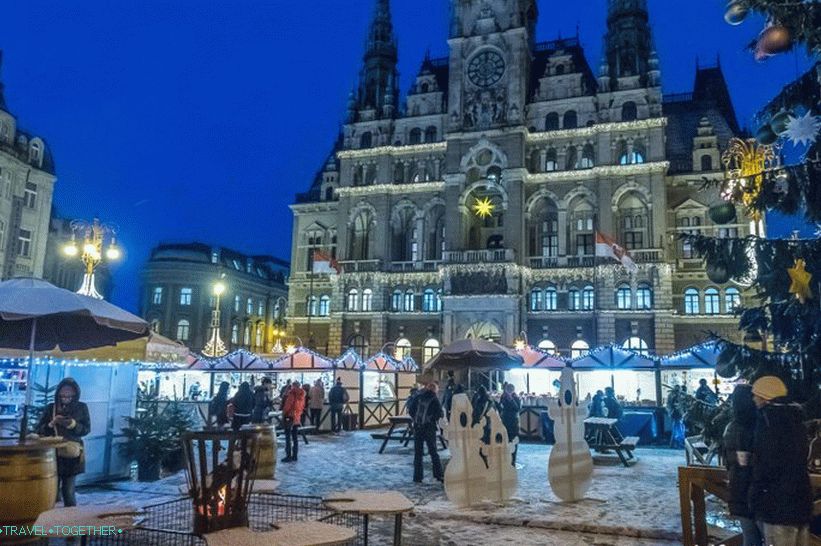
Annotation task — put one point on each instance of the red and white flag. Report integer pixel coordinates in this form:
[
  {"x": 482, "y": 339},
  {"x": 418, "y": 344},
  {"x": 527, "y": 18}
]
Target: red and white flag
[
  {"x": 324, "y": 263},
  {"x": 607, "y": 247}
]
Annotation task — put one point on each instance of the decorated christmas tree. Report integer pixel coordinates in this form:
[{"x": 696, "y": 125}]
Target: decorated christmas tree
[{"x": 782, "y": 318}]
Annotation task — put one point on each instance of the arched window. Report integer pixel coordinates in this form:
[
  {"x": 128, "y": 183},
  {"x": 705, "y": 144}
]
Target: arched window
[
  {"x": 235, "y": 334},
  {"x": 574, "y": 299},
  {"x": 587, "y": 161},
  {"x": 366, "y": 140},
  {"x": 36, "y": 152},
  {"x": 424, "y": 87},
  {"x": 404, "y": 246},
  {"x": 588, "y": 298},
  {"x": 571, "y": 120},
  {"x": 403, "y": 348},
  {"x": 311, "y": 306},
  {"x": 732, "y": 299},
  {"x": 706, "y": 163},
  {"x": 572, "y": 158},
  {"x": 360, "y": 235},
  {"x": 183, "y": 330},
  {"x": 547, "y": 346},
  {"x": 644, "y": 297},
  {"x": 711, "y": 302},
  {"x": 624, "y": 297},
  {"x": 691, "y": 304},
  {"x": 628, "y": 111},
  {"x": 396, "y": 300},
  {"x": 367, "y": 300},
  {"x": 439, "y": 300},
  {"x": 185, "y": 296},
  {"x": 551, "y": 121},
  {"x": 429, "y": 303},
  {"x": 630, "y": 153},
  {"x": 581, "y": 229},
  {"x": 409, "y": 301},
  {"x": 430, "y": 349},
  {"x": 359, "y": 344},
  {"x": 249, "y": 306},
  {"x": 633, "y": 221},
  {"x": 536, "y": 300},
  {"x": 324, "y": 305},
  {"x": 353, "y": 299},
  {"x": 430, "y": 134},
  {"x": 550, "y": 299},
  {"x": 637, "y": 345},
  {"x": 544, "y": 230},
  {"x": 551, "y": 162},
  {"x": 579, "y": 348},
  {"x": 329, "y": 193},
  {"x": 260, "y": 335},
  {"x": 155, "y": 325},
  {"x": 399, "y": 172},
  {"x": 416, "y": 136},
  {"x": 246, "y": 337}
]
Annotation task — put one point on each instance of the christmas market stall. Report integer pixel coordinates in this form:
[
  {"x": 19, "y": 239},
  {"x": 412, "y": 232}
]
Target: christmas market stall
[
  {"x": 536, "y": 379},
  {"x": 688, "y": 367},
  {"x": 634, "y": 379},
  {"x": 307, "y": 366},
  {"x": 385, "y": 384}
]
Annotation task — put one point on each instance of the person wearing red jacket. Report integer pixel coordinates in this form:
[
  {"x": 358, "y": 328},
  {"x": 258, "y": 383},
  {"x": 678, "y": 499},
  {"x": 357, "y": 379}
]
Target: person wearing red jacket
[{"x": 292, "y": 408}]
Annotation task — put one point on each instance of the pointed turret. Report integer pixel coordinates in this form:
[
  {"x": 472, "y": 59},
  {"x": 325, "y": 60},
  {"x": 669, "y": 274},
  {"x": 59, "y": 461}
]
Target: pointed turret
[
  {"x": 629, "y": 51},
  {"x": 2, "y": 96},
  {"x": 378, "y": 77}
]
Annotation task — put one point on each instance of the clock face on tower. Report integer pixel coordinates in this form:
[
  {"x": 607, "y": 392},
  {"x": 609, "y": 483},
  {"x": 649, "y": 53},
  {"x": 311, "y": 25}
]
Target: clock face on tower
[{"x": 486, "y": 68}]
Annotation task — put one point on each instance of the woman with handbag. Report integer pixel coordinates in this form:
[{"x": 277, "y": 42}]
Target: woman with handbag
[{"x": 69, "y": 418}]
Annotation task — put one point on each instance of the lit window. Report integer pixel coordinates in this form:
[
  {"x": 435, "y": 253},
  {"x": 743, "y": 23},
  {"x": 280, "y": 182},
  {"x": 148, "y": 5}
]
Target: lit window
[
  {"x": 588, "y": 298},
  {"x": 353, "y": 299},
  {"x": 579, "y": 348},
  {"x": 185, "y": 296},
  {"x": 260, "y": 333},
  {"x": 235, "y": 333},
  {"x": 324, "y": 306},
  {"x": 249, "y": 305},
  {"x": 24, "y": 243},
  {"x": 403, "y": 348},
  {"x": 550, "y": 299},
  {"x": 30, "y": 195},
  {"x": 367, "y": 299},
  {"x": 246, "y": 338},
  {"x": 311, "y": 306},
  {"x": 547, "y": 346},
  {"x": 183, "y": 330},
  {"x": 156, "y": 299},
  {"x": 536, "y": 299},
  {"x": 732, "y": 299},
  {"x": 636, "y": 344},
  {"x": 574, "y": 299},
  {"x": 439, "y": 300},
  {"x": 409, "y": 304},
  {"x": 691, "y": 306},
  {"x": 711, "y": 302},
  {"x": 430, "y": 349},
  {"x": 623, "y": 297},
  {"x": 236, "y": 304},
  {"x": 261, "y": 308},
  {"x": 396, "y": 300},
  {"x": 644, "y": 297},
  {"x": 429, "y": 301}
]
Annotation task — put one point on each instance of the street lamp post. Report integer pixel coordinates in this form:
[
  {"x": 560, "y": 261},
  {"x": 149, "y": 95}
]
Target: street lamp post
[
  {"x": 94, "y": 236},
  {"x": 215, "y": 346}
]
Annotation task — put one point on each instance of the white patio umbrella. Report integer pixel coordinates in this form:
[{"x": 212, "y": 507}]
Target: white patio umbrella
[{"x": 38, "y": 316}]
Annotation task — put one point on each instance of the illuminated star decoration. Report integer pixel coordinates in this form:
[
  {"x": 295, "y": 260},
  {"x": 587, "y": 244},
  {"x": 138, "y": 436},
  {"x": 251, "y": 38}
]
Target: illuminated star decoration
[
  {"x": 803, "y": 129},
  {"x": 800, "y": 285},
  {"x": 483, "y": 207}
]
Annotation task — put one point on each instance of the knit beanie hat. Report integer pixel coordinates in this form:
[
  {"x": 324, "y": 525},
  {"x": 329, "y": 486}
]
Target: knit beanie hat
[{"x": 769, "y": 387}]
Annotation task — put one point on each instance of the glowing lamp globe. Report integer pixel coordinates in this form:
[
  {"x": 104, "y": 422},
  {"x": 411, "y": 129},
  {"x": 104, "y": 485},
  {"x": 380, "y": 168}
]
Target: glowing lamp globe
[
  {"x": 70, "y": 249},
  {"x": 113, "y": 253},
  {"x": 219, "y": 289},
  {"x": 90, "y": 249}
]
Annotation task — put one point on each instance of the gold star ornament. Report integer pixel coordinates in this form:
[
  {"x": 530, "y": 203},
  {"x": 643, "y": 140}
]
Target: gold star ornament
[
  {"x": 483, "y": 207},
  {"x": 800, "y": 285}
]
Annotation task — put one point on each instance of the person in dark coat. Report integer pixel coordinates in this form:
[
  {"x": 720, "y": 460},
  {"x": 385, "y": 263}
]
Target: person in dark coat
[
  {"x": 597, "y": 405},
  {"x": 738, "y": 442},
  {"x": 307, "y": 388},
  {"x": 705, "y": 394},
  {"x": 780, "y": 493},
  {"x": 263, "y": 401},
  {"x": 447, "y": 395},
  {"x": 243, "y": 406},
  {"x": 69, "y": 418},
  {"x": 426, "y": 411},
  {"x": 614, "y": 409},
  {"x": 675, "y": 406},
  {"x": 218, "y": 406},
  {"x": 511, "y": 406},
  {"x": 337, "y": 398}
]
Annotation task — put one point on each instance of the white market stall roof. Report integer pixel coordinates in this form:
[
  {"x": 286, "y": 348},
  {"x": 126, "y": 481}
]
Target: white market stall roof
[
  {"x": 703, "y": 355},
  {"x": 303, "y": 359},
  {"x": 535, "y": 358},
  {"x": 382, "y": 362},
  {"x": 240, "y": 360},
  {"x": 349, "y": 360}
]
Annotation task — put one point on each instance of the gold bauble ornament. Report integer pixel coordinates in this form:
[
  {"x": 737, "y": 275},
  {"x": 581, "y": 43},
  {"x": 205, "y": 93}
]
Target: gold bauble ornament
[
  {"x": 773, "y": 40},
  {"x": 800, "y": 285}
]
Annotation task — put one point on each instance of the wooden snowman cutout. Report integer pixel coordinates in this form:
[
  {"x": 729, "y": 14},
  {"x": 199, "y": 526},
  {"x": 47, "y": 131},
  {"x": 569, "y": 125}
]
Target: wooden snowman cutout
[
  {"x": 502, "y": 477},
  {"x": 466, "y": 474},
  {"x": 570, "y": 467}
]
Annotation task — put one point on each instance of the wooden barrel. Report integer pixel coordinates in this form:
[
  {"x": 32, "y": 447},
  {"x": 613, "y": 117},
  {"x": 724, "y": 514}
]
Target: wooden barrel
[
  {"x": 28, "y": 473},
  {"x": 267, "y": 461}
]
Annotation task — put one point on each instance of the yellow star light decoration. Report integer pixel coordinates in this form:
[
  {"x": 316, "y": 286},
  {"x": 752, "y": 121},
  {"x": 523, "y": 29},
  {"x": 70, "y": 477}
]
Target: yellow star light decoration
[
  {"x": 800, "y": 285},
  {"x": 483, "y": 207}
]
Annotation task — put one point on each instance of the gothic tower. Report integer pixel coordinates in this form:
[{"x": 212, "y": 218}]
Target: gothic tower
[
  {"x": 378, "y": 93},
  {"x": 2, "y": 96},
  {"x": 629, "y": 63}
]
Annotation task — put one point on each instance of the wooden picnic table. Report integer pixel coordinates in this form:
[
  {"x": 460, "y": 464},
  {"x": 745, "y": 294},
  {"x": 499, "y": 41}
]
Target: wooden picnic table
[
  {"x": 292, "y": 533},
  {"x": 403, "y": 435},
  {"x": 603, "y": 434},
  {"x": 369, "y": 503}
]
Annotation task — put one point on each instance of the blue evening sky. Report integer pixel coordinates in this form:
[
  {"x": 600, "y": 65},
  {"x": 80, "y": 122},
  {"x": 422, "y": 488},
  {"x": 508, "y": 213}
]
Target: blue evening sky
[{"x": 184, "y": 120}]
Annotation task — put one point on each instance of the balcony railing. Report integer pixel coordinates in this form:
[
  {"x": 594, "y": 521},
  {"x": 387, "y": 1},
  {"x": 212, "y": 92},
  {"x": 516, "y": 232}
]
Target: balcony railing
[
  {"x": 427, "y": 265},
  {"x": 360, "y": 266},
  {"x": 585, "y": 260},
  {"x": 647, "y": 255},
  {"x": 479, "y": 256}
]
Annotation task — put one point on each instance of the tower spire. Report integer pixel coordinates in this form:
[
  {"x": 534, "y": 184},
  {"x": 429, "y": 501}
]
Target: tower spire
[
  {"x": 378, "y": 78},
  {"x": 2, "y": 97},
  {"x": 629, "y": 49}
]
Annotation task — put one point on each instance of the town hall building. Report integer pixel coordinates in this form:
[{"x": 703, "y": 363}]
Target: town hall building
[{"x": 471, "y": 208}]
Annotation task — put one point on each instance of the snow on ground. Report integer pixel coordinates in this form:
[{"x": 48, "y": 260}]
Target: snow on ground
[{"x": 634, "y": 505}]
